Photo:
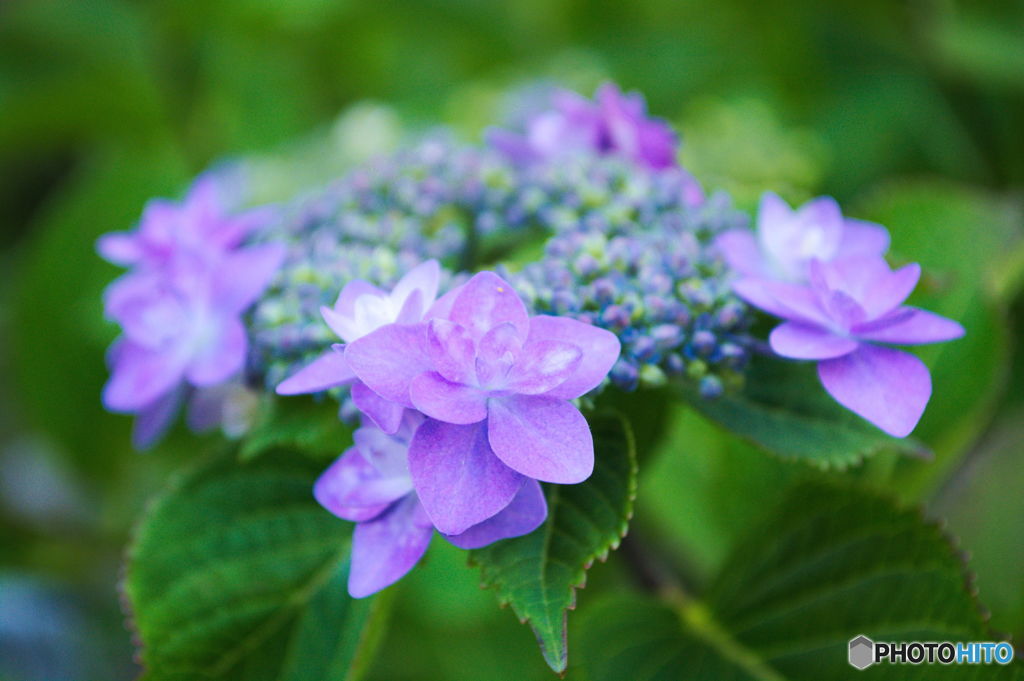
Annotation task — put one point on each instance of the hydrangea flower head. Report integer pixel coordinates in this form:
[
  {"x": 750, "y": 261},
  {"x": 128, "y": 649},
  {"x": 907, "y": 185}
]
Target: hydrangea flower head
[
  {"x": 495, "y": 384},
  {"x": 371, "y": 485},
  {"x": 847, "y": 317},
  {"x": 181, "y": 326},
  {"x": 362, "y": 308},
  {"x": 614, "y": 123},
  {"x": 787, "y": 239}
]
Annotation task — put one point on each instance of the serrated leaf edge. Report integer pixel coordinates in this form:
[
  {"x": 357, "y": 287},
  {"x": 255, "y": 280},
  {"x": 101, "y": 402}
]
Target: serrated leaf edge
[{"x": 580, "y": 582}]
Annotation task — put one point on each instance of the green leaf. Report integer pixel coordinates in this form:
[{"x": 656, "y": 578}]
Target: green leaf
[
  {"x": 829, "y": 564},
  {"x": 538, "y": 574},
  {"x": 965, "y": 240},
  {"x": 295, "y": 422},
  {"x": 784, "y": 410},
  {"x": 236, "y": 572}
]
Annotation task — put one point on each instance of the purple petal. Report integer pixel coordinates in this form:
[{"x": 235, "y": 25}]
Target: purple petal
[
  {"x": 387, "y": 415},
  {"x": 327, "y": 371},
  {"x": 412, "y": 309},
  {"x": 355, "y": 289},
  {"x": 354, "y": 489},
  {"x": 222, "y": 357},
  {"x": 119, "y": 248},
  {"x": 862, "y": 238},
  {"x": 600, "y": 349},
  {"x": 843, "y": 309},
  {"x": 887, "y": 387},
  {"x": 424, "y": 278},
  {"x": 800, "y": 341},
  {"x": 543, "y": 366},
  {"x": 910, "y": 326},
  {"x": 242, "y": 276},
  {"x": 442, "y": 307},
  {"x": 886, "y": 294},
  {"x": 152, "y": 421},
  {"x": 446, "y": 401},
  {"x": 486, "y": 301},
  {"x": 855, "y": 276},
  {"x": 387, "y": 547},
  {"x": 541, "y": 437},
  {"x": 512, "y": 146},
  {"x": 458, "y": 478},
  {"x": 452, "y": 350},
  {"x": 788, "y": 301},
  {"x": 741, "y": 252},
  {"x": 140, "y": 376},
  {"x": 793, "y": 237},
  {"x": 522, "y": 516},
  {"x": 389, "y": 358},
  {"x": 496, "y": 353}
]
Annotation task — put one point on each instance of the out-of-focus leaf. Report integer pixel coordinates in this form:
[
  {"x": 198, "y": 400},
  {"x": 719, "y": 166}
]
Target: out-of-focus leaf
[
  {"x": 58, "y": 331},
  {"x": 237, "y": 573},
  {"x": 743, "y": 148},
  {"x": 784, "y": 410},
  {"x": 538, "y": 574},
  {"x": 828, "y": 565},
  {"x": 980, "y": 50},
  {"x": 984, "y": 507},
  {"x": 297, "y": 423},
  {"x": 961, "y": 237},
  {"x": 702, "y": 487}
]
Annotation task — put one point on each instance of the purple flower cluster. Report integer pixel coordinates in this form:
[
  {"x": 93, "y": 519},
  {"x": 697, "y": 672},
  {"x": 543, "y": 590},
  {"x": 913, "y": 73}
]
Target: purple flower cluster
[
  {"x": 180, "y": 307},
  {"x": 842, "y": 305},
  {"x": 614, "y": 123},
  {"x": 466, "y": 407}
]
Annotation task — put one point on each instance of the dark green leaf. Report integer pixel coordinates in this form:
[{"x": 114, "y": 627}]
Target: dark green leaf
[
  {"x": 784, "y": 409},
  {"x": 538, "y": 574},
  {"x": 237, "y": 573},
  {"x": 831, "y": 563}
]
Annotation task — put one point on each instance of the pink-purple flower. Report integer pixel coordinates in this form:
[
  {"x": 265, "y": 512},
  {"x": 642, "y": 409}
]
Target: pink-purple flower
[
  {"x": 180, "y": 308},
  {"x": 483, "y": 394},
  {"x": 613, "y": 123},
  {"x": 199, "y": 226},
  {"x": 371, "y": 485},
  {"x": 495, "y": 384},
  {"x": 847, "y": 317},
  {"x": 360, "y": 309},
  {"x": 787, "y": 239}
]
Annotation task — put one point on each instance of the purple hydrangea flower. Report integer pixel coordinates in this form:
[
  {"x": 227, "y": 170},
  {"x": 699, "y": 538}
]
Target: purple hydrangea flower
[
  {"x": 182, "y": 326},
  {"x": 615, "y": 123},
  {"x": 180, "y": 308},
  {"x": 787, "y": 239},
  {"x": 371, "y": 485},
  {"x": 360, "y": 309},
  {"x": 200, "y": 225},
  {"x": 495, "y": 384},
  {"x": 847, "y": 317}
]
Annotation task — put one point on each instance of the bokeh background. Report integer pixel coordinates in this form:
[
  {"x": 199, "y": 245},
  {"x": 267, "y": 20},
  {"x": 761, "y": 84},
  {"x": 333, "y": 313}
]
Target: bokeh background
[{"x": 910, "y": 113}]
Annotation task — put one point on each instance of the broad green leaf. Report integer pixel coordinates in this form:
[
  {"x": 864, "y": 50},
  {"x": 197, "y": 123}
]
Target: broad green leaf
[
  {"x": 297, "y": 423},
  {"x": 237, "y": 573},
  {"x": 784, "y": 410},
  {"x": 964, "y": 239},
  {"x": 829, "y": 564},
  {"x": 538, "y": 574}
]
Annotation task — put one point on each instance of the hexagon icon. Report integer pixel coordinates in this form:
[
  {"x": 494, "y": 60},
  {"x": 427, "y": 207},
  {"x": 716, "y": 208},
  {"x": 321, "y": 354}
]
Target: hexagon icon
[{"x": 862, "y": 652}]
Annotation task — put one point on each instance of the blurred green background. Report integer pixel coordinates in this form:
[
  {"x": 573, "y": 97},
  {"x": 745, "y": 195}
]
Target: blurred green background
[{"x": 910, "y": 113}]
